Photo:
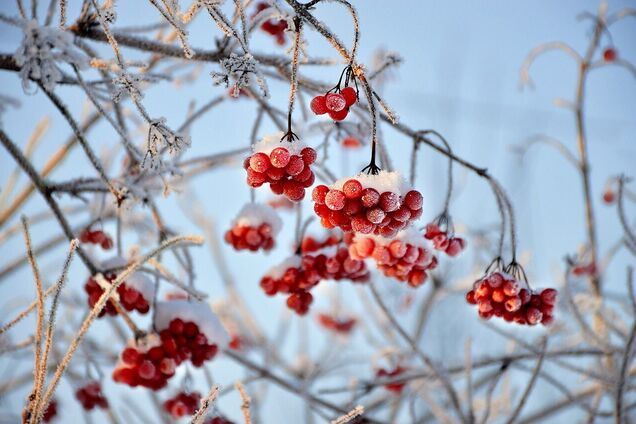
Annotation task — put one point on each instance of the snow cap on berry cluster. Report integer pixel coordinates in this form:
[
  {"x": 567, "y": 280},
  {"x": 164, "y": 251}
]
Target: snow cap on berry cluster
[
  {"x": 199, "y": 313},
  {"x": 255, "y": 214},
  {"x": 272, "y": 141},
  {"x": 383, "y": 181},
  {"x": 276, "y": 272}
]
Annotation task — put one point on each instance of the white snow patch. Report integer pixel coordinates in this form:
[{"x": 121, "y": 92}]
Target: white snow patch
[
  {"x": 255, "y": 214},
  {"x": 198, "y": 312},
  {"x": 272, "y": 141},
  {"x": 278, "y": 271},
  {"x": 384, "y": 181}
]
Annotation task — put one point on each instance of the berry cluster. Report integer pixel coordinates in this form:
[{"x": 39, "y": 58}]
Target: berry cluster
[
  {"x": 152, "y": 363},
  {"x": 404, "y": 257},
  {"x": 392, "y": 387},
  {"x": 50, "y": 412},
  {"x": 254, "y": 228},
  {"x": 96, "y": 237},
  {"x": 450, "y": 245},
  {"x": 294, "y": 276},
  {"x": 335, "y": 324},
  {"x": 182, "y": 404},
  {"x": 286, "y": 168},
  {"x": 131, "y": 296},
  {"x": 379, "y": 204},
  {"x": 336, "y": 104},
  {"x": 501, "y": 295},
  {"x": 90, "y": 396},
  {"x": 274, "y": 27}
]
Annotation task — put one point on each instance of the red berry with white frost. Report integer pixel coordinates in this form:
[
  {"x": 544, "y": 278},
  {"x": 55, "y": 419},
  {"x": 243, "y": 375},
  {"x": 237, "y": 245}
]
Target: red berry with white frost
[{"x": 255, "y": 228}]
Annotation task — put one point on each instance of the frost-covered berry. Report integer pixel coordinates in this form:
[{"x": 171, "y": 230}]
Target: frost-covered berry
[
  {"x": 318, "y": 105},
  {"x": 350, "y": 96},
  {"x": 335, "y": 102}
]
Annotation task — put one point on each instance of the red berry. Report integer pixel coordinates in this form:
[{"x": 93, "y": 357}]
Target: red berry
[
  {"x": 350, "y": 95},
  {"x": 259, "y": 162},
  {"x": 609, "y": 54},
  {"x": 339, "y": 116},
  {"x": 352, "y": 189},
  {"x": 294, "y": 190},
  {"x": 318, "y": 105},
  {"x": 370, "y": 197},
  {"x": 351, "y": 143},
  {"x": 335, "y": 102},
  {"x": 309, "y": 155},
  {"x": 413, "y": 199},
  {"x": 389, "y": 201},
  {"x": 319, "y": 193},
  {"x": 335, "y": 200},
  {"x": 279, "y": 157},
  {"x": 295, "y": 165}
]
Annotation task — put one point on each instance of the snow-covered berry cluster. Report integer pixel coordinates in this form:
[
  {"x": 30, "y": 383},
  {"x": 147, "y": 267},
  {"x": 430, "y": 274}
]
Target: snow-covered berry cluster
[
  {"x": 134, "y": 294},
  {"x": 254, "y": 228},
  {"x": 443, "y": 241},
  {"x": 337, "y": 324},
  {"x": 182, "y": 404},
  {"x": 98, "y": 237},
  {"x": 367, "y": 203},
  {"x": 284, "y": 166},
  {"x": 384, "y": 373},
  {"x": 404, "y": 257},
  {"x": 274, "y": 27},
  {"x": 91, "y": 396},
  {"x": 501, "y": 295},
  {"x": 188, "y": 331},
  {"x": 295, "y": 276},
  {"x": 335, "y": 104}
]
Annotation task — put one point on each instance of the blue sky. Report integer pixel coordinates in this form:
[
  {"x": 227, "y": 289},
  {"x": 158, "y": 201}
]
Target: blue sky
[{"x": 460, "y": 76}]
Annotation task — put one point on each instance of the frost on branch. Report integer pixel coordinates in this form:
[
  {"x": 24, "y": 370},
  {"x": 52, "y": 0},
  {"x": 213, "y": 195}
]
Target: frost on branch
[
  {"x": 161, "y": 138},
  {"x": 126, "y": 82},
  {"x": 242, "y": 70},
  {"x": 39, "y": 51}
]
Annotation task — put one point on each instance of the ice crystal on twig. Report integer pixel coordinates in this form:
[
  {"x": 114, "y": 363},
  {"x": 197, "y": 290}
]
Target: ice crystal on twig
[
  {"x": 41, "y": 50},
  {"x": 242, "y": 70},
  {"x": 126, "y": 82},
  {"x": 161, "y": 138}
]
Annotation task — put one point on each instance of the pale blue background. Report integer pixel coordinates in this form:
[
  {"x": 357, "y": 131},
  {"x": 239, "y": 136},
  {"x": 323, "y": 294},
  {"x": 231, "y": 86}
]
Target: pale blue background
[{"x": 460, "y": 77}]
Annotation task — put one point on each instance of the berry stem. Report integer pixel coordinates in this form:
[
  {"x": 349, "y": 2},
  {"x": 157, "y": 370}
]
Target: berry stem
[{"x": 293, "y": 79}]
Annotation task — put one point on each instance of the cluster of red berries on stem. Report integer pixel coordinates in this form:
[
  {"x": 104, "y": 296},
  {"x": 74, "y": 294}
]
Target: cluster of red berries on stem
[
  {"x": 129, "y": 297},
  {"x": 285, "y": 167},
  {"x": 501, "y": 294},
  {"x": 91, "y": 396},
  {"x": 297, "y": 275},
  {"x": 274, "y": 27},
  {"x": 254, "y": 228},
  {"x": 98, "y": 237},
  {"x": 336, "y": 324},
  {"x": 182, "y": 404},
  {"x": 152, "y": 363},
  {"x": 336, "y": 102},
  {"x": 404, "y": 257},
  {"x": 444, "y": 240},
  {"x": 368, "y": 203},
  {"x": 312, "y": 243}
]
